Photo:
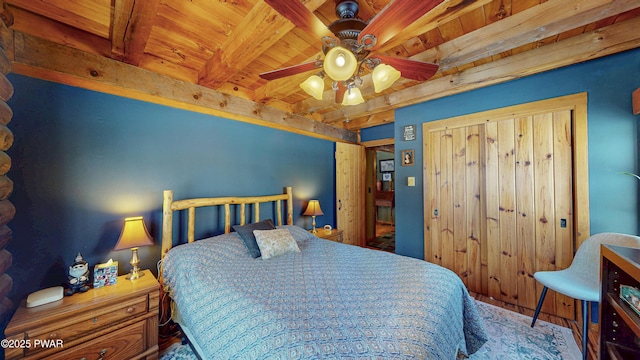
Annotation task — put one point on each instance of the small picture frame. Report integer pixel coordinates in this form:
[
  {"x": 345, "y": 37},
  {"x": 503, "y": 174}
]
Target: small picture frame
[
  {"x": 386, "y": 176},
  {"x": 409, "y": 133},
  {"x": 386, "y": 165},
  {"x": 408, "y": 157}
]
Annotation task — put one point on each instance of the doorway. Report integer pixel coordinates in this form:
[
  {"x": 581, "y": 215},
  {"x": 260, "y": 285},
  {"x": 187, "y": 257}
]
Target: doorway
[{"x": 381, "y": 167}]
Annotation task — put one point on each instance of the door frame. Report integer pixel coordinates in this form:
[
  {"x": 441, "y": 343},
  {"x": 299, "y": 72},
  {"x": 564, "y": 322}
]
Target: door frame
[{"x": 370, "y": 182}]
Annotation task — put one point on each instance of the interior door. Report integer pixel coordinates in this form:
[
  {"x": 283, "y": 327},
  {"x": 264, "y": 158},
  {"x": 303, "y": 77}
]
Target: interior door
[
  {"x": 499, "y": 201},
  {"x": 350, "y": 192}
]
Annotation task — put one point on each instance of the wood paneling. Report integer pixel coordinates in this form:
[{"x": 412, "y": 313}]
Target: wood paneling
[{"x": 499, "y": 197}]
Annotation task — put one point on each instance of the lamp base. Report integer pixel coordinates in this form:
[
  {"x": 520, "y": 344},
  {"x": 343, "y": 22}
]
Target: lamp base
[
  {"x": 135, "y": 270},
  {"x": 134, "y": 274}
]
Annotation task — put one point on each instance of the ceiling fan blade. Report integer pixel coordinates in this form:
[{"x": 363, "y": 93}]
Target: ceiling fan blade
[
  {"x": 291, "y": 70},
  {"x": 300, "y": 16},
  {"x": 410, "y": 69},
  {"x": 394, "y": 17}
]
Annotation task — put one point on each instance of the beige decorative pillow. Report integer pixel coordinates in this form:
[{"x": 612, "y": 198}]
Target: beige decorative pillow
[{"x": 276, "y": 242}]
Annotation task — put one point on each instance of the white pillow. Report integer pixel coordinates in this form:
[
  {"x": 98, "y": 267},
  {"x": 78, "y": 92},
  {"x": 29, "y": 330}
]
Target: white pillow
[{"x": 274, "y": 243}]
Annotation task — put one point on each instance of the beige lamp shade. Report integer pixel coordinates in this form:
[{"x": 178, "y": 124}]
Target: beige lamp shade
[
  {"x": 134, "y": 234},
  {"x": 353, "y": 96},
  {"x": 340, "y": 64},
  {"x": 313, "y": 209},
  {"x": 384, "y": 76},
  {"x": 313, "y": 86}
]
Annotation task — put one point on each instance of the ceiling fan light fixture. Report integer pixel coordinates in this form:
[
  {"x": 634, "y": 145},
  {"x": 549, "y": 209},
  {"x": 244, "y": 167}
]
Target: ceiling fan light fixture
[
  {"x": 314, "y": 86},
  {"x": 340, "y": 63},
  {"x": 353, "y": 96},
  {"x": 383, "y": 77}
]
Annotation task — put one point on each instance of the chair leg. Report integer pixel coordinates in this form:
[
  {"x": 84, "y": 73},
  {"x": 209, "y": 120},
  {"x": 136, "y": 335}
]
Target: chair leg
[
  {"x": 585, "y": 328},
  {"x": 542, "y": 295}
]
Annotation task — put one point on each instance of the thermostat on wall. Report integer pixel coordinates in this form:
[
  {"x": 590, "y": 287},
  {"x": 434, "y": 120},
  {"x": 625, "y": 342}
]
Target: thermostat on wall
[{"x": 45, "y": 296}]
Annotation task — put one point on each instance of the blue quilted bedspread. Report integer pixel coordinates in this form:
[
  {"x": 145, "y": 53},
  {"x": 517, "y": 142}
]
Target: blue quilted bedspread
[{"x": 329, "y": 301}]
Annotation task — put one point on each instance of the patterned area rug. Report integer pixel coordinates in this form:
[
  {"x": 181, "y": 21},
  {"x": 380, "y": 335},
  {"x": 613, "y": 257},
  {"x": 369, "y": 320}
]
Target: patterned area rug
[
  {"x": 386, "y": 242},
  {"x": 510, "y": 337}
]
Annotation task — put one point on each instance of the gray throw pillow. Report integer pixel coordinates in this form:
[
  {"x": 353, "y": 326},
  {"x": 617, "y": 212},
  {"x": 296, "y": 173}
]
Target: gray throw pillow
[{"x": 246, "y": 233}]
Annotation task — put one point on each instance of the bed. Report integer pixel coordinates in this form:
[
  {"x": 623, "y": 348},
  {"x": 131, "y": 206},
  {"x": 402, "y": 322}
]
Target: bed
[{"x": 325, "y": 300}]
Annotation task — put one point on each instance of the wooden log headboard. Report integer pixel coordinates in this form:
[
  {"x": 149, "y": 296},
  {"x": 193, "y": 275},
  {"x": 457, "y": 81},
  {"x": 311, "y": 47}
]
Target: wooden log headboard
[{"x": 170, "y": 205}]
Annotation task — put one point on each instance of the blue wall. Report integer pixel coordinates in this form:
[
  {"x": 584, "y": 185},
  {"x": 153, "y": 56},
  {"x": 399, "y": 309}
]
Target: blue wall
[
  {"x": 613, "y": 146},
  {"x": 82, "y": 161}
]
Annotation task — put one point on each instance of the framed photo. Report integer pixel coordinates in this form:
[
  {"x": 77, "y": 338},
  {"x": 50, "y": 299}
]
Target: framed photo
[
  {"x": 386, "y": 165},
  {"x": 407, "y": 158},
  {"x": 386, "y": 176}
]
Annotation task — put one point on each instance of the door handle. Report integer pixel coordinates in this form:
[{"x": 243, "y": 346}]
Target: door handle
[{"x": 339, "y": 204}]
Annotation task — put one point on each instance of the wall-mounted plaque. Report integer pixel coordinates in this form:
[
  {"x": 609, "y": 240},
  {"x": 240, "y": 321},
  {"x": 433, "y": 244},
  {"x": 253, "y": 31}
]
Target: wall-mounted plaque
[{"x": 409, "y": 132}]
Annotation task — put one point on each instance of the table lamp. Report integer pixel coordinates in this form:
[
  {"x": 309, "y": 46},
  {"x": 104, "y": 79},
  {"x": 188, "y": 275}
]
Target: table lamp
[
  {"x": 313, "y": 210},
  {"x": 134, "y": 234}
]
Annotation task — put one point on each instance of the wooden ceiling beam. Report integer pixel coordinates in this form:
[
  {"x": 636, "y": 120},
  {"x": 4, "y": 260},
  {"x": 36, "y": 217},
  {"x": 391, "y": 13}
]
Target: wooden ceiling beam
[
  {"x": 534, "y": 24},
  {"x": 256, "y": 33},
  {"x": 132, "y": 23},
  {"x": 44, "y": 59},
  {"x": 91, "y": 16},
  {"x": 609, "y": 40},
  {"x": 381, "y": 118},
  {"x": 40, "y": 26}
]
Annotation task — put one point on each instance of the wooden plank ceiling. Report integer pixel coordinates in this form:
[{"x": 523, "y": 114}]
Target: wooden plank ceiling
[{"x": 206, "y": 55}]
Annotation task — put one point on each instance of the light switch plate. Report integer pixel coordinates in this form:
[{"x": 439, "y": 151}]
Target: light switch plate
[{"x": 411, "y": 181}]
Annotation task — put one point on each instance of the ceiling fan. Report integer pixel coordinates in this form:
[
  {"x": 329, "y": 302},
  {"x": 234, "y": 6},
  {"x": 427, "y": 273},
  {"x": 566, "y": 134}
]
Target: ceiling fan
[{"x": 349, "y": 45}]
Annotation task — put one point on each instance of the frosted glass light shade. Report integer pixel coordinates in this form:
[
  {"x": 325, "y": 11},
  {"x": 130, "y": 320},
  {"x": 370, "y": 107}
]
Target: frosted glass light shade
[
  {"x": 313, "y": 86},
  {"x": 383, "y": 77},
  {"x": 353, "y": 96},
  {"x": 340, "y": 64}
]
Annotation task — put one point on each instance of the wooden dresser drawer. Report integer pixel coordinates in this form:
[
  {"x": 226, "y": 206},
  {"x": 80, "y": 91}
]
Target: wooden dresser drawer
[
  {"x": 83, "y": 324},
  {"x": 121, "y": 344}
]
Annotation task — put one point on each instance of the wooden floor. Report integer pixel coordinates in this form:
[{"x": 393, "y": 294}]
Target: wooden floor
[
  {"x": 384, "y": 228},
  {"x": 574, "y": 326}
]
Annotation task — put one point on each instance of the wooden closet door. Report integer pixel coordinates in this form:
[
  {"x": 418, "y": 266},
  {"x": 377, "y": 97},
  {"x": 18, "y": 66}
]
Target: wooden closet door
[
  {"x": 499, "y": 197},
  {"x": 350, "y": 192}
]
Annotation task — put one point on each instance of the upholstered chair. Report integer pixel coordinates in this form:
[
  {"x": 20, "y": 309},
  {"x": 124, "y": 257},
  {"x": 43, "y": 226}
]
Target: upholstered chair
[{"x": 581, "y": 280}]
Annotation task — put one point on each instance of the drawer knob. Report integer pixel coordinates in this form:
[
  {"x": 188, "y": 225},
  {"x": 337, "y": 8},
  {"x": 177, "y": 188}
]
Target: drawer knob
[
  {"x": 102, "y": 353},
  {"x": 94, "y": 320},
  {"x": 130, "y": 309}
]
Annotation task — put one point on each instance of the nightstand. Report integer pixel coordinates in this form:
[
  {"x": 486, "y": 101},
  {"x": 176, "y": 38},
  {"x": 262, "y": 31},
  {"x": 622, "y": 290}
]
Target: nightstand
[
  {"x": 114, "y": 322},
  {"x": 333, "y": 234}
]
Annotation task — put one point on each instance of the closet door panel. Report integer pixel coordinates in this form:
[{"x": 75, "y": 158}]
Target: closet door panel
[
  {"x": 473, "y": 208},
  {"x": 525, "y": 212}
]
